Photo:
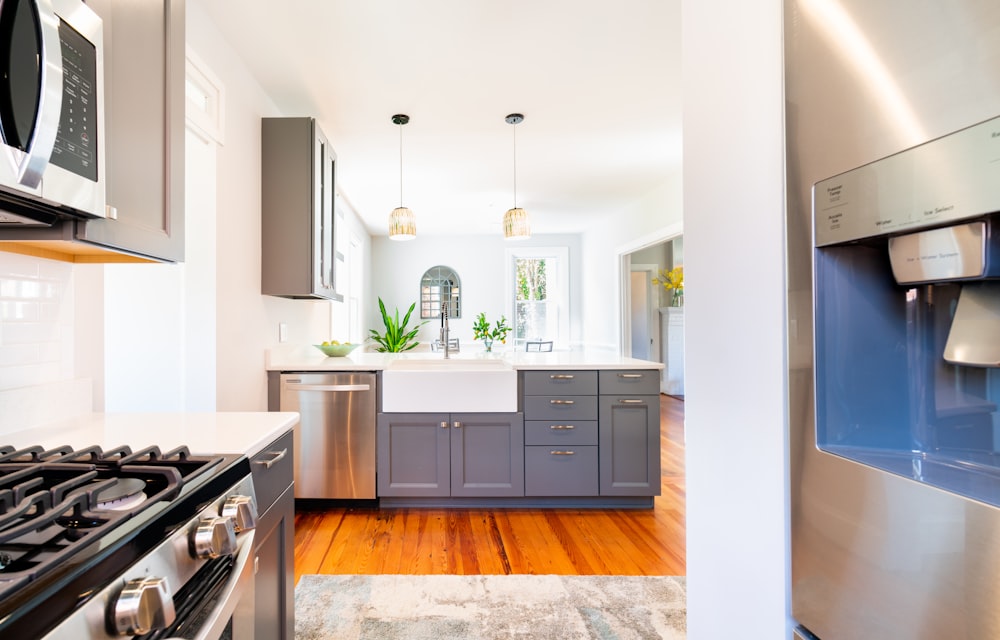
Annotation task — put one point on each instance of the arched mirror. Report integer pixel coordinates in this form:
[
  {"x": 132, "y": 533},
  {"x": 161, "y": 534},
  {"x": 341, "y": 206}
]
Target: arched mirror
[{"x": 440, "y": 285}]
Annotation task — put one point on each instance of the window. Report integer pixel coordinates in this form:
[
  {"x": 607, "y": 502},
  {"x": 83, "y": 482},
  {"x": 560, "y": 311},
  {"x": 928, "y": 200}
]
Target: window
[{"x": 538, "y": 291}]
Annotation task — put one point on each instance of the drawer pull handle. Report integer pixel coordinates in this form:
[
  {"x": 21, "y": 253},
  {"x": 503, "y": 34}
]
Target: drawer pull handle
[
  {"x": 561, "y": 427},
  {"x": 562, "y": 401},
  {"x": 277, "y": 455},
  {"x": 630, "y": 401},
  {"x": 563, "y": 453},
  {"x": 630, "y": 375},
  {"x": 561, "y": 376}
]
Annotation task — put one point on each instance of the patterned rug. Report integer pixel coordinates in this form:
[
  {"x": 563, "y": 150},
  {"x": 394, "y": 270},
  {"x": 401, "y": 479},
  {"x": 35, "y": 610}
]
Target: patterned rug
[{"x": 486, "y": 607}]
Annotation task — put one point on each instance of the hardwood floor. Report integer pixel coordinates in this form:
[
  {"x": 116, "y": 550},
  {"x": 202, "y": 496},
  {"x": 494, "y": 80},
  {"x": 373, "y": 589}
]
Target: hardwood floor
[{"x": 503, "y": 541}]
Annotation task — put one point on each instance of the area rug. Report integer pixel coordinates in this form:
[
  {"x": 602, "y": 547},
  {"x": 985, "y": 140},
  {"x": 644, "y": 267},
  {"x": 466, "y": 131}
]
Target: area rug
[{"x": 485, "y": 607}]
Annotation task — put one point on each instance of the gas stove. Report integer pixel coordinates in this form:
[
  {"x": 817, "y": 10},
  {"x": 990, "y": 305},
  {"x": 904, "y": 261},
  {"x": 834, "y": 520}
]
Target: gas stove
[{"x": 106, "y": 544}]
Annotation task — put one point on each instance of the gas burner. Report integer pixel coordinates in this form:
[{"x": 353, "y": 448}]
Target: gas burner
[{"x": 124, "y": 495}]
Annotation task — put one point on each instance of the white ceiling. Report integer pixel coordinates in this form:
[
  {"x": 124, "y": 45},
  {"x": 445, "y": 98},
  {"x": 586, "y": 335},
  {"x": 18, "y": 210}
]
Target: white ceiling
[{"x": 597, "y": 81}]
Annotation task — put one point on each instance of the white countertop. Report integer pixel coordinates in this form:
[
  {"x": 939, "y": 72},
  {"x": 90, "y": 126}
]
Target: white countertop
[
  {"x": 202, "y": 433},
  {"x": 308, "y": 358}
]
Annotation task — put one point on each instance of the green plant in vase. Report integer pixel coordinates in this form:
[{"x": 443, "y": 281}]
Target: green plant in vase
[
  {"x": 482, "y": 330},
  {"x": 396, "y": 337}
]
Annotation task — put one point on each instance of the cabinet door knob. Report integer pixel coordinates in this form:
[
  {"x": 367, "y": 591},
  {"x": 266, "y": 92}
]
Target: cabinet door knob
[
  {"x": 457, "y": 424},
  {"x": 444, "y": 424}
]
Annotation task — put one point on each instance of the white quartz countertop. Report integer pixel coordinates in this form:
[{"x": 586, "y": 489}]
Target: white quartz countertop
[
  {"x": 308, "y": 358},
  {"x": 202, "y": 433}
]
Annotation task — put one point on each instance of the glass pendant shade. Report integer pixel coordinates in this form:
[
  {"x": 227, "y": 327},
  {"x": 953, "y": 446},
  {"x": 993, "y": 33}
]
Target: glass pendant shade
[
  {"x": 402, "y": 224},
  {"x": 515, "y": 224}
]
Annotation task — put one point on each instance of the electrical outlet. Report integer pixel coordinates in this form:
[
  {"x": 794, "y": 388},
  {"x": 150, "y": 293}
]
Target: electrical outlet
[{"x": 282, "y": 332}]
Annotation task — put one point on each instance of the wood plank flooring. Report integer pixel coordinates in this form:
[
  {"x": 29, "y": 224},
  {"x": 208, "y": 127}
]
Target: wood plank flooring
[{"x": 503, "y": 541}]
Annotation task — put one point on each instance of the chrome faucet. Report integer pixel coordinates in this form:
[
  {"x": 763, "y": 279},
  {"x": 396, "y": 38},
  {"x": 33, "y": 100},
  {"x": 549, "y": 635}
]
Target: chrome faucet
[{"x": 444, "y": 329}]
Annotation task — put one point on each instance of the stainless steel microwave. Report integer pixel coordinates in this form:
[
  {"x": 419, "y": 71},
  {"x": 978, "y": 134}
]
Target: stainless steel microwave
[{"x": 51, "y": 112}]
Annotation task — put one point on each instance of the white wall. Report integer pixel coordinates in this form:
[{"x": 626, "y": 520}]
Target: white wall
[
  {"x": 601, "y": 245},
  {"x": 247, "y": 322},
  {"x": 735, "y": 374},
  {"x": 397, "y": 268}
]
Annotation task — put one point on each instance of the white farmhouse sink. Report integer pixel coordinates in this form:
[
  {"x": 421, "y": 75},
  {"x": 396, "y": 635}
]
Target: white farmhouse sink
[{"x": 454, "y": 385}]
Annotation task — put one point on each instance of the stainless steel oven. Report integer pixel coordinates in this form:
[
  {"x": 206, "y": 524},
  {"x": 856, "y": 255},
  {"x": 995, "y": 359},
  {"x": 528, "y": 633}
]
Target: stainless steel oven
[
  {"x": 108, "y": 544},
  {"x": 51, "y": 111}
]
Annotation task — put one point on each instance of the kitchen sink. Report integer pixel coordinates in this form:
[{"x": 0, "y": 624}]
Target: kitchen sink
[{"x": 477, "y": 385}]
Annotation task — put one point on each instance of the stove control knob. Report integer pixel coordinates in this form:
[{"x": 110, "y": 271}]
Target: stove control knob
[
  {"x": 214, "y": 537},
  {"x": 144, "y": 605},
  {"x": 242, "y": 510}
]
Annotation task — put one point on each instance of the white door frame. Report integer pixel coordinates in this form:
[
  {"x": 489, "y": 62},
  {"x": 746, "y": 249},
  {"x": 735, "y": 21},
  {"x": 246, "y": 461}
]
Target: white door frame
[{"x": 624, "y": 279}]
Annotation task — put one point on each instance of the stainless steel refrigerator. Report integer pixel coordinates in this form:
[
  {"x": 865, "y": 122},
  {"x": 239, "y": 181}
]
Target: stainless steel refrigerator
[{"x": 893, "y": 239}]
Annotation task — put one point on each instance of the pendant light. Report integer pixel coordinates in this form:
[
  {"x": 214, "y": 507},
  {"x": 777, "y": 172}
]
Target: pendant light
[
  {"x": 515, "y": 221},
  {"x": 402, "y": 223}
]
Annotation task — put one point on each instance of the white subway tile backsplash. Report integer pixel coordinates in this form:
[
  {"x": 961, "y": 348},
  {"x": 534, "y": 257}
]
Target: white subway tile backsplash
[{"x": 36, "y": 321}]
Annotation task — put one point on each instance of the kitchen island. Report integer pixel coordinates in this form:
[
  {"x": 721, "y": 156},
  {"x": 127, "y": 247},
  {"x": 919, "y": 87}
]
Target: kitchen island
[{"x": 550, "y": 429}]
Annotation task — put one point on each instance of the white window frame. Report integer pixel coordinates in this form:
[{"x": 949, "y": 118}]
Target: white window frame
[{"x": 560, "y": 288}]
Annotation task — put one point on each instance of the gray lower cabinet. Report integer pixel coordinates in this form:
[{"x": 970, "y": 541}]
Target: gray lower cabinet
[
  {"x": 457, "y": 454},
  {"x": 274, "y": 541},
  {"x": 629, "y": 442},
  {"x": 592, "y": 433},
  {"x": 560, "y": 433}
]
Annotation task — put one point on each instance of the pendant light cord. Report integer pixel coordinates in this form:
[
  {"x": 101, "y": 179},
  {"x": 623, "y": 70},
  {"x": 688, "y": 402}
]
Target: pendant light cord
[
  {"x": 515, "y": 165},
  {"x": 401, "y": 164}
]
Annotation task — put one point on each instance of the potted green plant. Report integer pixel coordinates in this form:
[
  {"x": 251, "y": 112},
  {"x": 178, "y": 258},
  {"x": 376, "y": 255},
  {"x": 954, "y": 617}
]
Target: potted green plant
[
  {"x": 396, "y": 337},
  {"x": 481, "y": 330}
]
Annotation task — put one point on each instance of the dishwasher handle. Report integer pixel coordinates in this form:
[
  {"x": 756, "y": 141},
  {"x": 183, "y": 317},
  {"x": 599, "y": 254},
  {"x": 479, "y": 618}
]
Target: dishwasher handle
[{"x": 327, "y": 387}]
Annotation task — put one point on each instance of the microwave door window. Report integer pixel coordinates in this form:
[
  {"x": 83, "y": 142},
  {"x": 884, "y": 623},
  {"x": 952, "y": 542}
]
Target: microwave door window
[{"x": 19, "y": 55}]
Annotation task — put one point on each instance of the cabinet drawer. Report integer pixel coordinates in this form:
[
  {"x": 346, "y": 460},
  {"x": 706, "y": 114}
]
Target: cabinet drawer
[
  {"x": 560, "y": 408},
  {"x": 638, "y": 381},
  {"x": 568, "y": 383},
  {"x": 550, "y": 433},
  {"x": 272, "y": 471},
  {"x": 562, "y": 471}
]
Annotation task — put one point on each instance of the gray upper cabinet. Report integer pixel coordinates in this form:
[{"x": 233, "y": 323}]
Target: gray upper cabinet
[
  {"x": 144, "y": 61},
  {"x": 298, "y": 183}
]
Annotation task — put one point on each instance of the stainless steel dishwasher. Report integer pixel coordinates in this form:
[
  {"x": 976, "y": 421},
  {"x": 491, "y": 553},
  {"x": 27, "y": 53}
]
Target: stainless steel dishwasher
[{"x": 335, "y": 437}]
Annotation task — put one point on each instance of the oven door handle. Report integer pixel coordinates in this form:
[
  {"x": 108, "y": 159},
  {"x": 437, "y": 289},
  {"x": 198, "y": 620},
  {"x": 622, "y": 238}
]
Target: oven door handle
[
  {"x": 238, "y": 587},
  {"x": 43, "y": 134}
]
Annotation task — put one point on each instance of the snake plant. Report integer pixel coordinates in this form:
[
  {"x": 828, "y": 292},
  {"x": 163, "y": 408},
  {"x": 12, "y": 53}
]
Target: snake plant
[{"x": 396, "y": 337}]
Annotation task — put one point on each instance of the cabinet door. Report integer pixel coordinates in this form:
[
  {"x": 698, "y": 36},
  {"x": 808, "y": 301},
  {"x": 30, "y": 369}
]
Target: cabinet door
[
  {"x": 629, "y": 441},
  {"x": 487, "y": 454},
  {"x": 298, "y": 183},
  {"x": 413, "y": 454},
  {"x": 274, "y": 582},
  {"x": 144, "y": 64}
]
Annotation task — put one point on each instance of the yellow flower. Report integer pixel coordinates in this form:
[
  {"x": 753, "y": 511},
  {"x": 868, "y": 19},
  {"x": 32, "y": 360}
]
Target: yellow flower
[{"x": 673, "y": 282}]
